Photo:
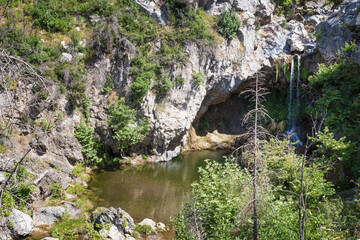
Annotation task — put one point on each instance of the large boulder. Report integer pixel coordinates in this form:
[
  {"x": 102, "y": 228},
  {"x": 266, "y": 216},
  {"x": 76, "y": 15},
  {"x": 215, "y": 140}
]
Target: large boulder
[
  {"x": 49, "y": 177},
  {"x": 113, "y": 223},
  {"x": 299, "y": 37},
  {"x": 22, "y": 224},
  {"x": 148, "y": 222},
  {"x": 48, "y": 215}
]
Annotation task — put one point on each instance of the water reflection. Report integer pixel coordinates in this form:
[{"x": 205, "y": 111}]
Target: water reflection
[{"x": 156, "y": 191}]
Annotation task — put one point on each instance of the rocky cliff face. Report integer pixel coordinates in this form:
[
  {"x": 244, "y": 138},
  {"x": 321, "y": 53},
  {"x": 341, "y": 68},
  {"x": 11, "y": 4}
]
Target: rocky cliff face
[{"x": 228, "y": 65}]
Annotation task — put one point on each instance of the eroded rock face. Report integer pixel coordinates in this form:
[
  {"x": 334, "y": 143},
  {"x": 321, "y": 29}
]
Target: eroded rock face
[
  {"x": 340, "y": 27},
  {"x": 228, "y": 66}
]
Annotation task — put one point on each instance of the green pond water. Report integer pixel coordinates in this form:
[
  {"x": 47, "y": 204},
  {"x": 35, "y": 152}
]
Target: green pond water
[{"x": 155, "y": 191}]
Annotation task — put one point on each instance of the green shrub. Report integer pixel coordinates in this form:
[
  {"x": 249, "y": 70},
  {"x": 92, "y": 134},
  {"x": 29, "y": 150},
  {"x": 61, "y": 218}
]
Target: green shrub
[
  {"x": 128, "y": 129},
  {"x": 214, "y": 203},
  {"x": 191, "y": 22},
  {"x": 164, "y": 84},
  {"x": 90, "y": 145},
  {"x": 198, "y": 78},
  {"x": 57, "y": 192},
  {"x": 109, "y": 85},
  {"x": 143, "y": 72},
  {"x": 100, "y": 7},
  {"x": 78, "y": 169},
  {"x": 45, "y": 124},
  {"x": 141, "y": 86},
  {"x": 17, "y": 193},
  {"x": 229, "y": 24},
  {"x": 179, "y": 80},
  {"x": 52, "y": 15},
  {"x": 69, "y": 229},
  {"x": 28, "y": 46},
  {"x": 143, "y": 229}
]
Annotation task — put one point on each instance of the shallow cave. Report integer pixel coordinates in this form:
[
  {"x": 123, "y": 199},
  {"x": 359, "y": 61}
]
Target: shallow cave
[{"x": 225, "y": 117}]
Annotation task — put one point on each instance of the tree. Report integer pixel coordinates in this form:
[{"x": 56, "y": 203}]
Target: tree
[
  {"x": 128, "y": 129},
  {"x": 254, "y": 134}
]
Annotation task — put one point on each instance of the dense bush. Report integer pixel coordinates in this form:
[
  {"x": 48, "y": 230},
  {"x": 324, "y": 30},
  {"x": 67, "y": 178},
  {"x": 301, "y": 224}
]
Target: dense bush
[
  {"x": 30, "y": 47},
  {"x": 215, "y": 200},
  {"x": 90, "y": 145},
  {"x": 52, "y": 15},
  {"x": 198, "y": 78},
  {"x": 128, "y": 129},
  {"x": 18, "y": 192},
  {"x": 221, "y": 202},
  {"x": 229, "y": 24},
  {"x": 339, "y": 87}
]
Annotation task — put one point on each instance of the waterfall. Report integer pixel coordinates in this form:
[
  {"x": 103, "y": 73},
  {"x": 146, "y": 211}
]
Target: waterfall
[
  {"x": 290, "y": 107},
  {"x": 297, "y": 88},
  {"x": 294, "y": 104}
]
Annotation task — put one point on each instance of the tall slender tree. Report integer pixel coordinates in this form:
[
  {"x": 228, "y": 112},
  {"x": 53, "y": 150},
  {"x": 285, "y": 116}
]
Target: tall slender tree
[{"x": 254, "y": 134}]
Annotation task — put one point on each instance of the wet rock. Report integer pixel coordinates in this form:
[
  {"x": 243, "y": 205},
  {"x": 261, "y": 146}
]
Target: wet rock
[{"x": 22, "y": 224}]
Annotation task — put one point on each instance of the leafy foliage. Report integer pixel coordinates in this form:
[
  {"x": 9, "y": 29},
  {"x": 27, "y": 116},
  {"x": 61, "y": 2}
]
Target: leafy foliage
[
  {"x": 51, "y": 15},
  {"x": 29, "y": 46},
  {"x": 127, "y": 127},
  {"x": 219, "y": 206},
  {"x": 215, "y": 201},
  {"x": 90, "y": 145},
  {"x": 339, "y": 85},
  {"x": 229, "y": 24},
  {"x": 17, "y": 193},
  {"x": 198, "y": 78}
]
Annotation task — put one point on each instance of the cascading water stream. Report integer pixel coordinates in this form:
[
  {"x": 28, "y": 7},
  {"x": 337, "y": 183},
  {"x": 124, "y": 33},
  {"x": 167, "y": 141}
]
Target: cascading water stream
[{"x": 294, "y": 104}]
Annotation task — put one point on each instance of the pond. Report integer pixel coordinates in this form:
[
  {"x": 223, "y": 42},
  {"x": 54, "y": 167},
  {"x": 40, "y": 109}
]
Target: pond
[{"x": 155, "y": 191}]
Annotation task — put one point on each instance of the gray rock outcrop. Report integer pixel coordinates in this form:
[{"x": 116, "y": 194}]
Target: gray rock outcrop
[
  {"x": 155, "y": 9},
  {"x": 48, "y": 215},
  {"x": 117, "y": 221},
  {"x": 22, "y": 224},
  {"x": 339, "y": 28}
]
